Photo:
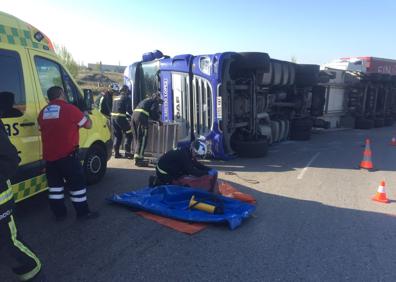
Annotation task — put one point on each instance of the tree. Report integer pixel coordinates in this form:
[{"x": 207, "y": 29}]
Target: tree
[
  {"x": 294, "y": 59},
  {"x": 67, "y": 60}
]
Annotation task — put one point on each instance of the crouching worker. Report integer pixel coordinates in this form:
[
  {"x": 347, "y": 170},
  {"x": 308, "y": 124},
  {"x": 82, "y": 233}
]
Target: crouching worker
[{"x": 175, "y": 165}]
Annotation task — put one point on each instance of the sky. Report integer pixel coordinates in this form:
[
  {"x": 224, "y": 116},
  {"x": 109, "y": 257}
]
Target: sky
[{"x": 120, "y": 31}]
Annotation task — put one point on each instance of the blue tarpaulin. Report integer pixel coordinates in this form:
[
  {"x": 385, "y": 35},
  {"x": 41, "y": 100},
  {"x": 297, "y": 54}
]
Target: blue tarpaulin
[{"x": 173, "y": 201}]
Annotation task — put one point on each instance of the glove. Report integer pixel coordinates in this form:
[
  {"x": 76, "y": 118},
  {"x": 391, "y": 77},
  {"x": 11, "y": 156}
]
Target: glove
[{"x": 212, "y": 172}]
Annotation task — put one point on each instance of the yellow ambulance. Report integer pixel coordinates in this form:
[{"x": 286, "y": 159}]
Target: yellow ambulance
[{"x": 28, "y": 67}]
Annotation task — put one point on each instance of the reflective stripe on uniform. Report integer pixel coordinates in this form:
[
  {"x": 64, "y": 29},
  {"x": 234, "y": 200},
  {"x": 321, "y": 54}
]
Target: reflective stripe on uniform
[
  {"x": 55, "y": 189},
  {"x": 6, "y": 196},
  {"x": 56, "y": 196},
  {"x": 78, "y": 192},
  {"x": 24, "y": 250},
  {"x": 118, "y": 115},
  {"x": 78, "y": 200},
  {"x": 162, "y": 171},
  {"x": 142, "y": 111},
  {"x": 83, "y": 121}
]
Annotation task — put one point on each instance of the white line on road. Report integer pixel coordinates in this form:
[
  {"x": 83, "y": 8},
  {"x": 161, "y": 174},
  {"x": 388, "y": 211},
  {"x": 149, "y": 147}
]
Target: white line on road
[{"x": 301, "y": 175}]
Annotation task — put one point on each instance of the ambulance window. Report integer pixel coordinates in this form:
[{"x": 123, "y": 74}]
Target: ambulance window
[
  {"x": 49, "y": 74},
  {"x": 70, "y": 90},
  {"x": 11, "y": 80}
]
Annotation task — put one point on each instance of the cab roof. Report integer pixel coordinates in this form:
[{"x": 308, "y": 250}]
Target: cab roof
[{"x": 14, "y": 31}]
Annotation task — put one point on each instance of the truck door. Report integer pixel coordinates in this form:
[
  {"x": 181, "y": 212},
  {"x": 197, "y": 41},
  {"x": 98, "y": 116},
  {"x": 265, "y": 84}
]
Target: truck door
[{"x": 21, "y": 119}]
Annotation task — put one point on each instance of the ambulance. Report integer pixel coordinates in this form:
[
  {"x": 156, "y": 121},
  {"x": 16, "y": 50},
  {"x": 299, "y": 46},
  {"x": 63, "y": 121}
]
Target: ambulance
[{"x": 28, "y": 68}]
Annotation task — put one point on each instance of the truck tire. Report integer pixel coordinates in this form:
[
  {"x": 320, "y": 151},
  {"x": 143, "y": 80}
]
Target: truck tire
[
  {"x": 389, "y": 121},
  {"x": 276, "y": 72},
  {"x": 292, "y": 73},
  {"x": 287, "y": 129},
  {"x": 364, "y": 123},
  {"x": 379, "y": 122},
  {"x": 95, "y": 164},
  {"x": 307, "y": 75},
  {"x": 285, "y": 73},
  {"x": 250, "y": 148},
  {"x": 255, "y": 60},
  {"x": 282, "y": 130},
  {"x": 301, "y": 129},
  {"x": 275, "y": 130}
]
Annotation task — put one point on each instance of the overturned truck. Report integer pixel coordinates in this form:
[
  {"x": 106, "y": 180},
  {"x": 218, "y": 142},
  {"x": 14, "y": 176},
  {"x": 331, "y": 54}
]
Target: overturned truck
[
  {"x": 361, "y": 92},
  {"x": 239, "y": 102}
]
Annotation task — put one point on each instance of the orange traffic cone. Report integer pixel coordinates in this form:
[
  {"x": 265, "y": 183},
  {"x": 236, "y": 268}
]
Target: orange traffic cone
[
  {"x": 393, "y": 142},
  {"x": 380, "y": 196},
  {"x": 366, "y": 162}
]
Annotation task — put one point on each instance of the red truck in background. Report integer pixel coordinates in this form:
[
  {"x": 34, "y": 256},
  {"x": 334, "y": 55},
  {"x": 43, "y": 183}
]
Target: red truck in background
[
  {"x": 374, "y": 64},
  {"x": 362, "y": 92}
]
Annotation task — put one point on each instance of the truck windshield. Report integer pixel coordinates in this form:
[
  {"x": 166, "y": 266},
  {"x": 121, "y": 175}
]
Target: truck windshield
[{"x": 149, "y": 79}]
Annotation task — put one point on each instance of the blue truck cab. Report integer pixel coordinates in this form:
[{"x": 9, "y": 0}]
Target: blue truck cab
[{"x": 239, "y": 102}]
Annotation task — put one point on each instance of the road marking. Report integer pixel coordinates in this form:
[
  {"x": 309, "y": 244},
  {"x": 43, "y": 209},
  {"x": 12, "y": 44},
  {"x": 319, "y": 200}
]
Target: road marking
[{"x": 301, "y": 175}]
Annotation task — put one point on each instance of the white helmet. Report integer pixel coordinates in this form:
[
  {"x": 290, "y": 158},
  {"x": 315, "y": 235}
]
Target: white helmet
[
  {"x": 199, "y": 148},
  {"x": 114, "y": 87}
]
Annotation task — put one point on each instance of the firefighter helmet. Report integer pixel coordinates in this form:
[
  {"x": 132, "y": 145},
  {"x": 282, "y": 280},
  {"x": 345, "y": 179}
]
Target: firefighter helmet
[
  {"x": 199, "y": 148},
  {"x": 114, "y": 87}
]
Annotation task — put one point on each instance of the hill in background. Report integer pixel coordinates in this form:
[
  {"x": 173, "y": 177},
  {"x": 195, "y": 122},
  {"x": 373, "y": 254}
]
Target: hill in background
[{"x": 98, "y": 81}]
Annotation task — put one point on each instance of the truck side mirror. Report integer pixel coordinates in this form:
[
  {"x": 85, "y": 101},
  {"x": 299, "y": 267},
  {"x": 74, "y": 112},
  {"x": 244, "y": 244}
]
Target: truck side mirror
[{"x": 88, "y": 100}]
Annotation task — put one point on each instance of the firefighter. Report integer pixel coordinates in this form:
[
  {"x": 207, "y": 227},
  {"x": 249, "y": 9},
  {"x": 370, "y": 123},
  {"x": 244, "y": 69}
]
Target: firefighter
[
  {"x": 13, "y": 252},
  {"x": 181, "y": 162},
  {"x": 106, "y": 100},
  {"x": 122, "y": 107},
  {"x": 59, "y": 123},
  {"x": 147, "y": 109}
]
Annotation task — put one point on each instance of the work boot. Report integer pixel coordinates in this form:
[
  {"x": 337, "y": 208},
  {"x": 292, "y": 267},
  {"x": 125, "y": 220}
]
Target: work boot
[
  {"x": 88, "y": 216},
  {"x": 117, "y": 155},
  {"x": 128, "y": 155},
  {"x": 141, "y": 163}
]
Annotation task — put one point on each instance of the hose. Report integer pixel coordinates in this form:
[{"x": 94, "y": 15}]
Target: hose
[{"x": 250, "y": 181}]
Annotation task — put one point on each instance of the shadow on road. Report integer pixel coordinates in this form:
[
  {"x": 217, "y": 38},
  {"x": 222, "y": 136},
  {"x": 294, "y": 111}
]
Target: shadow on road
[{"x": 287, "y": 240}]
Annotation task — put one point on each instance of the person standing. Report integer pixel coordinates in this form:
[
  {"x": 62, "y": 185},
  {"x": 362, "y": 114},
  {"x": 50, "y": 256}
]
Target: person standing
[
  {"x": 147, "y": 109},
  {"x": 13, "y": 252},
  {"x": 106, "y": 100},
  {"x": 59, "y": 123},
  {"x": 122, "y": 107}
]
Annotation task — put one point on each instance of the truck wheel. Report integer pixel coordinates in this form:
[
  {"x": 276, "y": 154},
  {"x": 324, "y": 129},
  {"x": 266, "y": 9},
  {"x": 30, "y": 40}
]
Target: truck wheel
[
  {"x": 282, "y": 130},
  {"x": 275, "y": 131},
  {"x": 250, "y": 148},
  {"x": 389, "y": 121},
  {"x": 95, "y": 164},
  {"x": 301, "y": 129},
  {"x": 379, "y": 122},
  {"x": 287, "y": 129},
  {"x": 364, "y": 124},
  {"x": 307, "y": 75},
  {"x": 285, "y": 73}
]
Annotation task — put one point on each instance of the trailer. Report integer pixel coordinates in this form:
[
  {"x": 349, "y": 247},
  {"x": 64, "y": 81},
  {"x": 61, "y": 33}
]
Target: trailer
[
  {"x": 361, "y": 93},
  {"x": 239, "y": 102}
]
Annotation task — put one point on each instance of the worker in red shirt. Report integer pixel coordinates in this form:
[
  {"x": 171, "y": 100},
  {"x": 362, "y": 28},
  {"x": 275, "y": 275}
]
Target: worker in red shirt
[{"x": 59, "y": 123}]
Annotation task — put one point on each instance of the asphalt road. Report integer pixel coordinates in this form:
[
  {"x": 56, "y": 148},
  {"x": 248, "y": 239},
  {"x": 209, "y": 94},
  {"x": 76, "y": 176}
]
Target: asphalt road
[{"x": 315, "y": 221}]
